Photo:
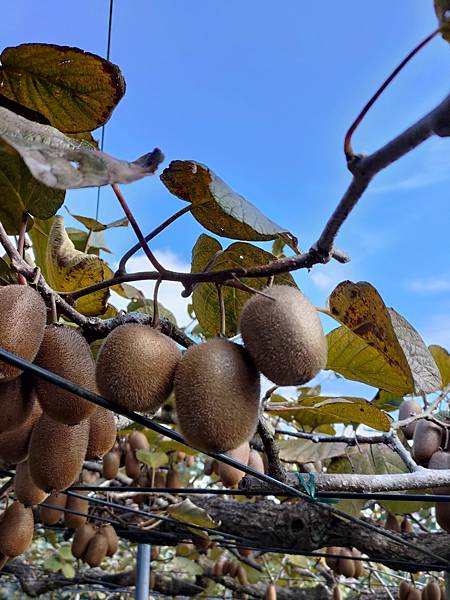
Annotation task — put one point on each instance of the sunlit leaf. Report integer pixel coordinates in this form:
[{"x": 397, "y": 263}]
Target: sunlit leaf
[
  {"x": 68, "y": 570},
  {"x": 187, "y": 512},
  {"x": 146, "y": 306},
  {"x": 84, "y": 242},
  {"x": 61, "y": 162},
  {"x": 39, "y": 237},
  {"x": 75, "y": 90},
  {"x": 7, "y": 276},
  {"x": 69, "y": 269},
  {"x": 387, "y": 401},
  {"x": 442, "y": 359},
  {"x": 152, "y": 459},
  {"x": 94, "y": 225},
  {"x": 204, "y": 297},
  {"x": 20, "y": 192},
  {"x": 217, "y": 207},
  {"x": 304, "y": 451}
]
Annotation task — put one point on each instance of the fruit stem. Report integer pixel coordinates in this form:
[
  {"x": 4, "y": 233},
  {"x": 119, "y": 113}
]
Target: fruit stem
[
  {"x": 248, "y": 288},
  {"x": 349, "y": 154},
  {"x": 21, "y": 245},
  {"x": 221, "y": 310},
  {"x": 155, "y": 318},
  {"x": 123, "y": 261},
  {"x": 136, "y": 229},
  {"x": 54, "y": 309}
]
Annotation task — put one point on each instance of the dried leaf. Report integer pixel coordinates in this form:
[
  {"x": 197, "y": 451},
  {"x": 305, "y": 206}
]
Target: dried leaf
[
  {"x": 61, "y": 162},
  {"x": 94, "y": 225},
  {"x": 75, "y": 90},
  {"x": 217, "y": 207},
  {"x": 152, "y": 459},
  {"x": 304, "y": 451}
]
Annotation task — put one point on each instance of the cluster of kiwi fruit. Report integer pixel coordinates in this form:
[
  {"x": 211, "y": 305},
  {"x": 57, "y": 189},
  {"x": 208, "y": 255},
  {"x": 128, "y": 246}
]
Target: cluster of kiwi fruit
[
  {"x": 92, "y": 544},
  {"x": 405, "y": 526},
  {"x": 59, "y": 507},
  {"x": 230, "y": 476},
  {"x": 216, "y": 382},
  {"x": 232, "y": 568},
  {"x": 343, "y": 562},
  {"x": 431, "y": 591}
]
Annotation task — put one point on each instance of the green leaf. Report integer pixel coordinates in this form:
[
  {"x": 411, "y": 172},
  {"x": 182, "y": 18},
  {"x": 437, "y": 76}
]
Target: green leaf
[
  {"x": 39, "y": 236},
  {"x": 75, "y": 90},
  {"x": 69, "y": 270},
  {"x": 53, "y": 563},
  {"x": 20, "y": 192},
  {"x": 7, "y": 277},
  {"x": 68, "y": 570},
  {"x": 61, "y": 162},
  {"x": 442, "y": 359},
  {"x": 92, "y": 243},
  {"x": 304, "y": 451},
  {"x": 65, "y": 552},
  {"x": 337, "y": 410},
  {"x": 387, "y": 401},
  {"x": 217, "y": 207},
  {"x": 94, "y": 225},
  {"x": 204, "y": 297},
  {"x": 146, "y": 306},
  {"x": 152, "y": 459},
  {"x": 188, "y": 512}
]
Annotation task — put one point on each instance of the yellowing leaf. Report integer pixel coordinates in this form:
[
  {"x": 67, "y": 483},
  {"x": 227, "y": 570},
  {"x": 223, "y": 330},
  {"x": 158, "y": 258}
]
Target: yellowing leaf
[
  {"x": 61, "y": 162},
  {"x": 304, "y": 451},
  {"x": 20, "y": 192},
  {"x": 217, "y": 207},
  {"x": 94, "y": 225},
  {"x": 75, "y": 90},
  {"x": 204, "y": 297},
  {"x": 188, "y": 512},
  {"x": 442, "y": 9},
  {"x": 353, "y": 358},
  {"x": 152, "y": 459},
  {"x": 339, "y": 410},
  {"x": 442, "y": 359},
  {"x": 69, "y": 270},
  {"x": 145, "y": 306}
]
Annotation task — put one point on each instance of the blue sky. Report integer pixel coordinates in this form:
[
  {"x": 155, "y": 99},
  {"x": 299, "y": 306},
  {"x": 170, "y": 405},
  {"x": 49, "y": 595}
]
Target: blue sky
[{"x": 263, "y": 93}]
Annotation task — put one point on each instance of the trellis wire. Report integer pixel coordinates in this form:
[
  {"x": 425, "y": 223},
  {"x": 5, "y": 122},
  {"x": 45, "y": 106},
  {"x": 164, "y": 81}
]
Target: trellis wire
[{"x": 15, "y": 360}]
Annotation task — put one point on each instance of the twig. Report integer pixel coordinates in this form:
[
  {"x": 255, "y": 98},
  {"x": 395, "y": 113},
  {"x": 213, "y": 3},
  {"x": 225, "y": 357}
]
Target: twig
[{"x": 276, "y": 469}]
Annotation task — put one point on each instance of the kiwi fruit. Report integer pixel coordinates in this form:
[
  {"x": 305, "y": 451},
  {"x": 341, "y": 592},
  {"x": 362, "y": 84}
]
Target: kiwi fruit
[
  {"x": 414, "y": 594},
  {"x": 406, "y": 526},
  {"x": 337, "y": 594},
  {"x": 154, "y": 552},
  {"x": 22, "y": 323},
  {"x": 110, "y": 465},
  {"x": 160, "y": 479},
  {"x": 202, "y": 546},
  {"x": 426, "y": 441},
  {"x": 51, "y": 513},
  {"x": 218, "y": 568},
  {"x": 65, "y": 352},
  {"x": 245, "y": 552},
  {"x": 431, "y": 591},
  {"x": 136, "y": 366},
  {"x": 132, "y": 465},
  {"x": 231, "y": 476},
  {"x": 17, "y": 398},
  {"x": 443, "y": 515},
  {"x": 16, "y": 529},
  {"x": 332, "y": 561},
  {"x": 241, "y": 575},
  {"x": 233, "y": 568},
  {"x": 113, "y": 541},
  {"x": 284, "y": 336},
  {"x": 357, "y": 563},
  {"x": 184, "y": 549},
  {"x": 271, "y": 592},
  {"x": 404, "y": 589},
  {"x": 57, "y": 452},
  {"x": 81, "y": 539},
  {"x": 14, "y": 444},
  {"x": 96, "y": 549},
  {"x": 346, "y": 564},
  {"x": 440, "y": 460},
  {"x": 78, "y": 505},
  {"x": 392, "y": 523},
  {"x": 138, "y": 441},
  {"x": 208, "y": 468},
  {"x": 217, "y": 391},
  {"x": 25, "y": 489},
  {"x": 102, "y": 433},
  {"x": 255, "y": 461},
  {"x": 407, "y": 409},
  {"x": 173, "y": 479}
]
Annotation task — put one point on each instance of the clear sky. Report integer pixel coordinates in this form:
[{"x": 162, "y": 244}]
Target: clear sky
[{"x": 263, "y": 92}]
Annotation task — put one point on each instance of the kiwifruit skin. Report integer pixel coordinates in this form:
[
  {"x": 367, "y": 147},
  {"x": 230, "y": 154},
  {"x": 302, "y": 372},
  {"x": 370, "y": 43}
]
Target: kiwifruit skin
[
  {"x": 426, "y": 441},
  {"x": 50, "y": 515},
  {"x": 102, "y": 433},
  {"x": 271, "y": 592},
  {"x": 96, "y": 550},
  {"x": 132, "y": 465},
  {"x": 65, "y": 352},
  {"x": 431, "y": 591},
  {"x": 414, "y": 594},
  {"x": 440, "y": 460},
  {"x": 113, "y": 541},
  {"x": 230, "y": 476},
  {"x": 346, "y": 564},
  {"x": 406, "y": 526},
  {"x": 80, "y": 505},
  {"x": 404, "y": 589},
  {"x": 407, "y": 409},
  {"x": 57, "y": 453},
  {"x": 337, "y": 594},
  {"x": 138, "y": 441},
  {"x": 110, "y": 466},
  {"x": 17, "y": 398},
  {"x": 22, "y": 322},
  {"x": 392, "y": 523},
  {"x": 242, "y": 575},
  {"x": 14, "y": 444},
  {"x": 27, "y": 492},
  {"x": 136, "y": 367},
  {"x": 81, "y": 539},
  {"x": 284, "y": 336},
  {"x": 332, "y": 561},
  {"x": 217, "y": 390},
  {"x": 16, "y": 529},
  {"x": 255, "y": 461},
  {"x": 443, "y": 515},
  {"x": 173, "y": 479}
]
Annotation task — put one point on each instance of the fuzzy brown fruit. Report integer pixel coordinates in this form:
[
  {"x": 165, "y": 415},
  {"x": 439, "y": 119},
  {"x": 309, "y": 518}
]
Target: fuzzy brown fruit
[
  {"x": 52, "y": 513},
  {"x": 403, "y": 590},
  {"x": 337, "y": 594},
  {"x": 27, "y": 492},
  {"x": 271, "y": 592},
  {"x": 443, "y": 515},
  {"x": 284, "y": 336},
  {"x": 255, "y": 461},
  {"x": 16, "y": 529},
  {"x": 357, "y": 563},
  {"x": 431, "y": 591},
  {"x": 440, "y": 460},
  {"x": 96, "y": 550},
  {"x": 346, "y": 564},
  {"x": 110, "y": 465},
  {"x": 217, "y": 395},
  {"x": 173, "y": 479},
  {"x": 79, "y": 505},
  {"x": 406, "y": 526},
  {"x": 65, "y": 352},
  {"x": 138, "y": 441},
  {"x": 407, "y": 409},
  {"x": 14, "y": 444},
  {"x": 102, "y": 433},
  {"x": 81, "y": 539},
  {"x": 132, "y": 465},
  {"x": 22, "y": 321},
  {"x": 17, "y": 398},
  {"x": 136, "y": 367},
  {"x": 113, "y": 541},
  {"x": 392, "y": 523},
  {"x": 426, "y": 441},
  {"x": 56, "y": 453},
  {"x": 231, "y": 476}
]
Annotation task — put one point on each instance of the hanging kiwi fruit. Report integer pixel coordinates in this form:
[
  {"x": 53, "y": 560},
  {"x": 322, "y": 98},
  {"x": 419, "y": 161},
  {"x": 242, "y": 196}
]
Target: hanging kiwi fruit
[
  {"x": 53, "y": 512},
  {"x": 17, "y": 398},
  {"x": 16, "y": 529},
  {"x": 27, "y": 492},
  {"x": 81, "y": 539},
  {"x": 217, "y": 391},
  {"x": 426, "y": 441},
  {"x": 136, "y": 367},
  {"x": 102, "y": 432},
  {"x": 284, "y": 336},
  {"x": 22, "y": 322},
  {"x": 409, "y": 408}
]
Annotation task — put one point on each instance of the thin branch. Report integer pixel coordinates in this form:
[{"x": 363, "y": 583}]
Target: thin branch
[
  {"x": 21, "y": 245},
  {"x": 276, "y": 469}
]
